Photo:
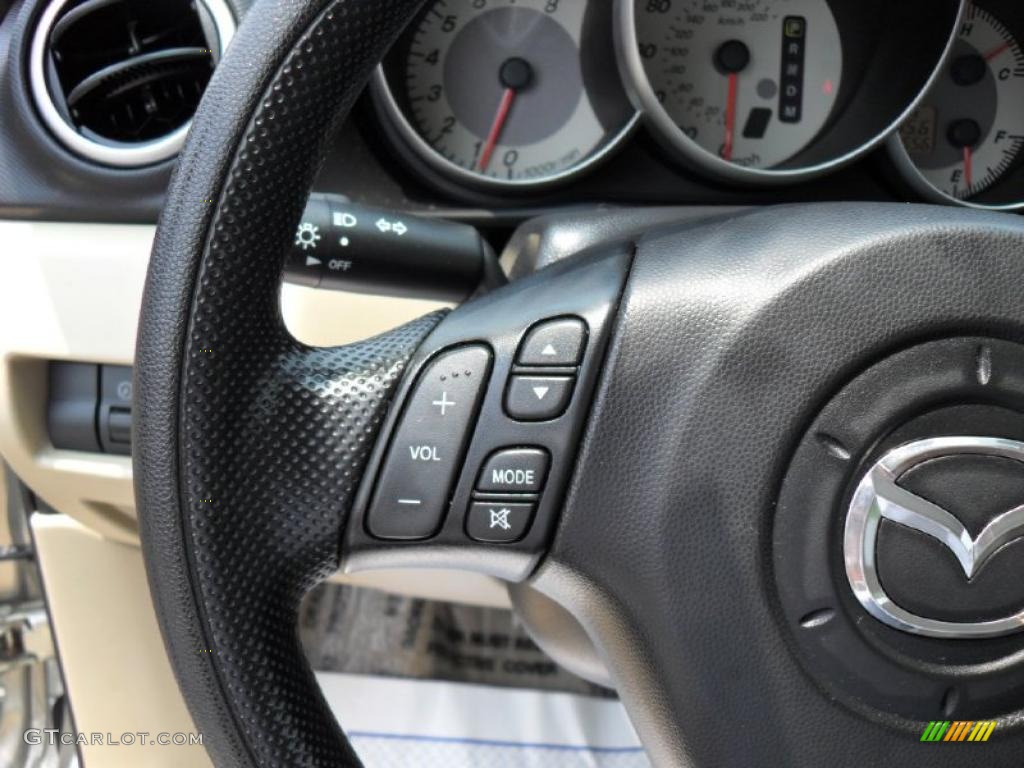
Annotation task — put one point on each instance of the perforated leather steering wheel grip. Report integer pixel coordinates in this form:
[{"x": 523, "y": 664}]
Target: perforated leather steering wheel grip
[{"x": 248, "y": 445}]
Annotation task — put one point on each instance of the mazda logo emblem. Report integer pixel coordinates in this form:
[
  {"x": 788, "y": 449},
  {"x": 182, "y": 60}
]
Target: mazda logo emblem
[{"x": 878, "y": 497}]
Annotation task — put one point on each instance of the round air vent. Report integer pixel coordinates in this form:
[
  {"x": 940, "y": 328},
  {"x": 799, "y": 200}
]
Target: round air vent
[{"x": 117, "y": 81}]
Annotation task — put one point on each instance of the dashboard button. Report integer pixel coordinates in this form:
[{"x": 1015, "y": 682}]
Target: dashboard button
[
  {"x": 538, "y": 398},
  {"x": 426, "y": 451},
  {"x": 514, "y": 470},
  {"x": 498, "y": 522},
  {"x": 119, "y": 426},
  {"x": 113, "y": 416},
  {"x": 554, "y": 342},
  {"x": 74, "y": 396}
]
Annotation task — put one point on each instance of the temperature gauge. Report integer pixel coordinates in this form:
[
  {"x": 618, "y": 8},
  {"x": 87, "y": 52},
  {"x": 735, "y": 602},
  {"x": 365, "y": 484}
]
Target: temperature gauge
[{"x": 969, "y": 131}]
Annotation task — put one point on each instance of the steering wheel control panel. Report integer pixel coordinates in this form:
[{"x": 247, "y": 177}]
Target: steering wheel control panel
[
  {"x": 412, "y": 494},
  {"x": 478, "y": 450}
]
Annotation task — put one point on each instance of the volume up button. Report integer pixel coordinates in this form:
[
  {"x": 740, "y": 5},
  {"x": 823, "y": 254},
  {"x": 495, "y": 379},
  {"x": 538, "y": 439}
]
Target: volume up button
[{"x": 426, "y": 451}]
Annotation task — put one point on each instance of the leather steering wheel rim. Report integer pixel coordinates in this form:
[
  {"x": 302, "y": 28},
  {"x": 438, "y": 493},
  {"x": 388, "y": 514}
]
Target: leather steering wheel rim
[{"x": 233, "y": 415}]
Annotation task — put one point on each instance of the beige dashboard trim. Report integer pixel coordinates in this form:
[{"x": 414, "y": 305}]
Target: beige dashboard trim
[
  {"x": 67, "y": 292},
  {"x": 115, "y": 668},
  {"x": 73, "y": 292}
]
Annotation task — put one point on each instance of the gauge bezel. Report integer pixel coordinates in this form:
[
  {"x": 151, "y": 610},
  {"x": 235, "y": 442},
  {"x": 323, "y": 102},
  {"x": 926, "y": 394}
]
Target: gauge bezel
[
  {"x": 689, "y": 152},
  {"x": 912, "y": 175},
  {"x": 387, "y": 105}
]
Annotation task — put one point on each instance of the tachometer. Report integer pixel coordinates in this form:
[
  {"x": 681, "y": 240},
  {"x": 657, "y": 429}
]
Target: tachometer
[
  {"x": 968, "y": 133},
  {"x": 507, "y": 92}
]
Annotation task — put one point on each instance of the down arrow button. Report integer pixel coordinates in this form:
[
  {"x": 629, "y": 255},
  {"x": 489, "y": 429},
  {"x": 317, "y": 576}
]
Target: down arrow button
[{"x": 538, "y": 398}]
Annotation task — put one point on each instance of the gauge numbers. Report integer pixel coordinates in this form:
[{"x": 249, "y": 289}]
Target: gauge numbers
[
  {"x": 749, "y": 82},
  {"x": 514, "y": 92}
]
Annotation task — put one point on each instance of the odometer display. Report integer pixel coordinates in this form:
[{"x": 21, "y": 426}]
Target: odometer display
[
  {"x": 509, "y": 92},
  {"x": 918, "y": 132}
]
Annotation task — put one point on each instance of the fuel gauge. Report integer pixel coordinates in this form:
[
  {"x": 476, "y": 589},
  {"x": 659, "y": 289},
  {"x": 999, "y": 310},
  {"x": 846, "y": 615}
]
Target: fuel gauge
[{"x": 968, "y": 132}]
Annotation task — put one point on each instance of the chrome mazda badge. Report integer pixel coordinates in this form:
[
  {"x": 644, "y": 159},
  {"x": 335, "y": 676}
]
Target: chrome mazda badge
[{"x": 878, "y": 496}]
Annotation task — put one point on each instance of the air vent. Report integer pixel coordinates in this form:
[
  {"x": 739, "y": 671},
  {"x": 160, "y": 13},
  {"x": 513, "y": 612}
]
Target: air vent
[{"x": 118, "y": 81}]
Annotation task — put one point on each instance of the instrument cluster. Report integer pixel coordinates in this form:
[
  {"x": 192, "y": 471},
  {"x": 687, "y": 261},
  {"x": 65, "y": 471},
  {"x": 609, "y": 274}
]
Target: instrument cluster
[{"x": 520, "y": 96}]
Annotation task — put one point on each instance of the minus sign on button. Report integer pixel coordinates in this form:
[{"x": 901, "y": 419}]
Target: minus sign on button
[{"x": 414, "y": 502}]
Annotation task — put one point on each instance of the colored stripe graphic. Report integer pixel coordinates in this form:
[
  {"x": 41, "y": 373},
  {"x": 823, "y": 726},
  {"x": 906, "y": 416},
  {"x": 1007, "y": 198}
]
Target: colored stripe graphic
[
  {"x": 983, "y": 730},
  {"x": 934, "y": 731},
  {"x": 958, "y": 730}
]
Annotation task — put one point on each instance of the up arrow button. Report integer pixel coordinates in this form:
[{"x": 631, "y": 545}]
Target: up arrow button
[{"x": 554, "y": 342}]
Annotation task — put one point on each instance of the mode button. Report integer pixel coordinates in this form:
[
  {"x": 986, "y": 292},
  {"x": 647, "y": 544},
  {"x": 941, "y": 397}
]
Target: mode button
[{"x": 514, "y": 470}]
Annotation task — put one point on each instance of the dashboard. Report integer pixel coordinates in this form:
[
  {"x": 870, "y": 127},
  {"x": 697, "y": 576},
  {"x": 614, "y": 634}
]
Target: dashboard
[
  {"x": 492, "y": 111},
  {"x": 696, "y": 101},
  {"x": 526, "y": 94}
]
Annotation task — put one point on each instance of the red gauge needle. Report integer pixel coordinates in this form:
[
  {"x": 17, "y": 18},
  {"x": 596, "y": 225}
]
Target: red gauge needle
[
  {"x": 731, "y": 58},
  {"x": 968, "y": 166},
  {"x": 996, "y": 51},
  {"x": 730, "y": 117},
  {"x": 497, "y": 125}
]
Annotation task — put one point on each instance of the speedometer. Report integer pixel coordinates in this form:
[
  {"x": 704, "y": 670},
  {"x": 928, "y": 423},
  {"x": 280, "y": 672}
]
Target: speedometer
[
  {"x": 752, "y": 83},
  {"x": 767, "y": 91},
  {"x": 507, "y": 93}
]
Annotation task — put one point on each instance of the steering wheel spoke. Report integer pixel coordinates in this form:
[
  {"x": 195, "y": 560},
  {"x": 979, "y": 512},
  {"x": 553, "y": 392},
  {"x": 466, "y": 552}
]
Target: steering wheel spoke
[{"x": 473, "y": 464}]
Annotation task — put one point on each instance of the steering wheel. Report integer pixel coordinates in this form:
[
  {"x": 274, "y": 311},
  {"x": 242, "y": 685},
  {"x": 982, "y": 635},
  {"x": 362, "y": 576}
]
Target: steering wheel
[{"x": 729, "y": 385}]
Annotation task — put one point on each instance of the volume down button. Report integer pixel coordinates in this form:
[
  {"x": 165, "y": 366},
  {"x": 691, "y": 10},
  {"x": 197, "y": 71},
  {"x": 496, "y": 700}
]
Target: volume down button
[{"x": 428, "y": 445}]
